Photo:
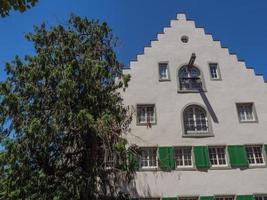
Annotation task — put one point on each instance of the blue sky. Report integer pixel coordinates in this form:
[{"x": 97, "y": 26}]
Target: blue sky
[{"x": 240, "y": 25}]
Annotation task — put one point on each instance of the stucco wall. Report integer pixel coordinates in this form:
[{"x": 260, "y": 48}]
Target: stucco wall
[{"x": 238, "y": 84}]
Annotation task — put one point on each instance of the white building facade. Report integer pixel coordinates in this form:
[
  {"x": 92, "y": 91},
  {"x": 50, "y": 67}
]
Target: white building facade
[{"x": 200, "y": 120}]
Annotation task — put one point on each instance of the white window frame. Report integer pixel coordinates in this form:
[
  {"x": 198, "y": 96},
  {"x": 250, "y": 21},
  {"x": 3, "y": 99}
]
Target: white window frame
[
  {"x": 197, "y": 133},
  {"x": 188, "y": 78},
  {"x": 148, "y": 158},
  {"x": 217, "y": 158},
  {"x": 145, "y": 106},
  {"x": 110, "y": 159},
  {"x": 249, "y": 105},
  {"x": 216, "y": 72},
  {"x": 184, "y": 158},
  {"x": 254, "y": 157},
  {"x": 166, "y": 66},
  {"x": 260, "y": 197}
]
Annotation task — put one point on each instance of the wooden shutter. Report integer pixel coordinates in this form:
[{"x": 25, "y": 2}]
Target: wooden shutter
[
  {"x": 237, "y": 156},
  {"x": 166, "y": 159},
  {"x": 201, "y": 155}
]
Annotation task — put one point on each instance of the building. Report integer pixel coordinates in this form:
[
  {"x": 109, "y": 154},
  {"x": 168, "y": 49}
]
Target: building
[{"x": 200, "y": 120}]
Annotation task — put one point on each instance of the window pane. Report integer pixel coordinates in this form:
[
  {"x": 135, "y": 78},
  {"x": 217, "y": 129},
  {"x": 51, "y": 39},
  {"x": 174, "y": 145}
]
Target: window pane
[
  {"x": 214, "y": 71},
  {"x": 189, "y": 78},
  {"x": 183, "y": 156},
  {"x": 217, "y": 156},
  {"x": 254, "y": 154},
  {"x": 148, "y": 157},
  {"x": 163, "y": 71},
  {"x": 245, "y": 112},
  {"x": 195, "y": 120},
  {"x": 146, "y": 114}
]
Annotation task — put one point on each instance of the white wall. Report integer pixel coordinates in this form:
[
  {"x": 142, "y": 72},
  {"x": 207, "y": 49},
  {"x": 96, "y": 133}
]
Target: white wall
[{"x": 238, "y": 84}]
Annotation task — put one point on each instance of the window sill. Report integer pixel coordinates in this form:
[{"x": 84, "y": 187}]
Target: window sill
[
  {"x": 198, "y": 135},
  {"x": 256, "y": 166},
  {"x": 191, "y": 91},
  {"x": 220, "y": 167},
  {"x": 163, "y": 80},
  {"x": 248, "y": 122},
  {"x": 148, "y": 169},
  {"x": 145, "y": 124},
  {"x": 191, "y": 168}
]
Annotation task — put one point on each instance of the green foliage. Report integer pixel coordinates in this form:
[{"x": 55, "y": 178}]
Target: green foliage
[
  {"x": 59, "y": 110},
  {"x": 18, "y": 5}
]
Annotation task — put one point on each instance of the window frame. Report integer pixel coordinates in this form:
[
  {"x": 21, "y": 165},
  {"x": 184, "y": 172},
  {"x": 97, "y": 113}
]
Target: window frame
[
  {"x": 190, "y": 91},
  {"x": 183, "y": 160},
  {"x": 253, "y": 109},
  {"x": 146, "y": 105},
  {"x": 218, "y": 71},
  {"x": 148, "y": 167},
  {"x": 226, "y": 165},
  {"x": 168, "y": 71},
  {"x": 262, "y": 196},
  {"x": 251, "y": 165},
  {"x": 209, "y": 133}
]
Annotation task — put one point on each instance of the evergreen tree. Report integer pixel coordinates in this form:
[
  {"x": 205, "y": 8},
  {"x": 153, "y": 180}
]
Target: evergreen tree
[
  {"x": 20, "y": 5},
  {"x": 60, "y": 111}
]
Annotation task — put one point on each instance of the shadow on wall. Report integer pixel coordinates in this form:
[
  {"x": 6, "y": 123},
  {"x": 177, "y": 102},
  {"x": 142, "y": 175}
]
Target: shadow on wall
[{"x": 208, "y": 106}]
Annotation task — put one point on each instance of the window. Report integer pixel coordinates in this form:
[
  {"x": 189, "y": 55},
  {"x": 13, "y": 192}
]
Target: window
[
  {"x": 109, "y": 159},
  {"x": 163, "y": 71},
  {"x": 214, "y": 71},
  {"x": 255, "y": 155},
  {"x": 148, "y": 158},
  {"x": 146, "y": 114},
  {"x": 224, "y": 198},
  {"x": 261, "y": 197},
  {"x": 217, "y": 156},
  {"x": 246, "y": 112},
  {"x": 184, "y": 39},
  {"x": 183, "y": 157},
  {"x": 189, "y": 79},
  {"x": 195, "y": 121}
]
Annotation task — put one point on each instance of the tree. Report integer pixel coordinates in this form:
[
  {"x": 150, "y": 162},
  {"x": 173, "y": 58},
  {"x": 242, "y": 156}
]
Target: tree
[
  {"x": 60, "y": 111},
  {"x": 20, "y": 5}
]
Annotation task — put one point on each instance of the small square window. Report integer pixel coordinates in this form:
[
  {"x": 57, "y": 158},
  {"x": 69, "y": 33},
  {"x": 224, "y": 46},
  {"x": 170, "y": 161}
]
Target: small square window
[
  {"x": 246, "y": 112},
  {"x": 214, "y": 71},
  {"x": 255, "y": 155},
  {"x": 146, "y": 115},
  {"x": 148, "y": 158},
  {"x": 163, "y": 72},
  {"x": 183, "y": 157},
  {"x": 217, "y": 156}
]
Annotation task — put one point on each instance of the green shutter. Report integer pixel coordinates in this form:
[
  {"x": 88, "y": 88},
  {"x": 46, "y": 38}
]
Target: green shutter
[
  {"x": 133, "y": 161},
  {"x": 169, "y": 198},
  {"x": 237, "y": 156},
  {"x": 166, "y": 159},
  {"x": 206, "y": 198},
  {"x": 201, "y": 155},
  {"x": 265, "y": 147},
  {"x": 244, "y": 197}
]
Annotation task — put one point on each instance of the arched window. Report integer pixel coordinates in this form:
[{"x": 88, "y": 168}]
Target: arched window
[
  {"x": 195, "y": 121},
  {"x": 189, "y": 79}
]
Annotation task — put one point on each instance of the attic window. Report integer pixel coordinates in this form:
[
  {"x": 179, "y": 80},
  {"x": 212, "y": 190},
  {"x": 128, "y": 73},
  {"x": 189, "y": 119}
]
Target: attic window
[{"x": 184, "y": 39}]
